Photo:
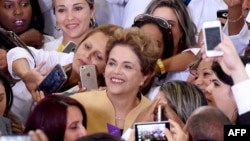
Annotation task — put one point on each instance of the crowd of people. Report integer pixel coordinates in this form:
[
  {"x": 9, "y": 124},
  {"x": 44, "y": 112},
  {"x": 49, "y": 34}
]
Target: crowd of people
[{"x": 147, "y": 53}]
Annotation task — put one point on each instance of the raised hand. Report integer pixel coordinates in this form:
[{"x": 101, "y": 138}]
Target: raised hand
[{"x": 33, "y": 38}]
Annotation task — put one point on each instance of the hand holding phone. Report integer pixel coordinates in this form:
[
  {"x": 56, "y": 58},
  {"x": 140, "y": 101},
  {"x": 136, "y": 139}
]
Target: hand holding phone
[
  {"x": 88, "y": 77},
  {"x": 151, "y": 131},
  {"x": 53, "y": 81},
  {"x": 212, "y": 37}
]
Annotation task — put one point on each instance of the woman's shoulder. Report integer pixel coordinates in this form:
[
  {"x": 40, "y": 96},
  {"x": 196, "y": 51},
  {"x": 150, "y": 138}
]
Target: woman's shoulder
[
  {"x": 94, "y": 94},
  {"x": 53, "y": 44}
]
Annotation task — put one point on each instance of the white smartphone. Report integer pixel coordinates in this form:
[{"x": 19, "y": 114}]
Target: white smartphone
[
  {"x": 212, "y": 37},
  {"x": 88, "y": 77},
  {"x": 70, "y": 47}
]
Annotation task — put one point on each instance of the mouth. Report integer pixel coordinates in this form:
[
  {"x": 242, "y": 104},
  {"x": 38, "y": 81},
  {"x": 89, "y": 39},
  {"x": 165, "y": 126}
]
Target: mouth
[
  {"x": 71, "y": 26},
  {"x": 82, "y": 62},
  {"x": 116, "y": 80},
  {"x": 19, "y": 23}
]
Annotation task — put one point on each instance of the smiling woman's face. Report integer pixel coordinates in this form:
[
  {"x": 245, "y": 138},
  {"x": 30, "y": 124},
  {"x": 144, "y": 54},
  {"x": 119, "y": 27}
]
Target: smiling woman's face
[{"x": 2, "y": 99}]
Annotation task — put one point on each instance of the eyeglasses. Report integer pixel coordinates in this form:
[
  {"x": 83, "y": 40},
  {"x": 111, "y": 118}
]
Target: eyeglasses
[{"x": 148, "y": 18}]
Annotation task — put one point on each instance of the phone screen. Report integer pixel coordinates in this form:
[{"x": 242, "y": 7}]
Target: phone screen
[
  {"x": 151, "y": 131},
  {"x": 213, "y": 37},
  {"x": 53, "y": 81}
]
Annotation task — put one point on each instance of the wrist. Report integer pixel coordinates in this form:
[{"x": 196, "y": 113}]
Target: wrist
[{"x": 161, "y": 66}]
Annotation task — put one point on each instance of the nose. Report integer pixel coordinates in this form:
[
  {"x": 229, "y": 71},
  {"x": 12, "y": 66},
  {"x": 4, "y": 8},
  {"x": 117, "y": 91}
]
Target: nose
[
  {"x": 70, "y": 15},
  {"x": 208, "y": 89},
  {"x": 18, "y": 10},
  {"x": 198, "y": 81},
  {"x": 117, "y": 69},
  {"x": 82, "y": 131},
  {"x": 245, "y": 5}
]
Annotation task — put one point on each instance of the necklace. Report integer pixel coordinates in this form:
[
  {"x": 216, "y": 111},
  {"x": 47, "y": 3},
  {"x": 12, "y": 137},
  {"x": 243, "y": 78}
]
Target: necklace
[{"x": 119, "y": 118}]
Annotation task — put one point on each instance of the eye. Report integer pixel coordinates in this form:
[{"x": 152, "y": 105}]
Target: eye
[
  {"x": 7, "y": 6},
  {"x": 207, "y": 74},
  {"x": 78, "y": 8},
  {"x": 99, "y": 56},
  {"x": 128, "y": 67},
  {"x": 111, "y": 63},
  {"x": 60, "y": 10},
  {"x": 24, "y": 4},
  {"x": 87, "y": 46}
]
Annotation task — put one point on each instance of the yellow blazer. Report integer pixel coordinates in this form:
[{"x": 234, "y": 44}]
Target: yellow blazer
[{"x": 100, "y": 110}]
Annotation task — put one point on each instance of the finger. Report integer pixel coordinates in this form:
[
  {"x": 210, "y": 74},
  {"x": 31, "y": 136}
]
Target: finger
[
  {"x": 39, "y": 66},
  {"x": 132, "y": 135},
  {"x": 33, "y": 136},
  {"x": 169, "y": 135},
  {"x": 154, "y": 104},
  {"x": 41, "y": 135}
]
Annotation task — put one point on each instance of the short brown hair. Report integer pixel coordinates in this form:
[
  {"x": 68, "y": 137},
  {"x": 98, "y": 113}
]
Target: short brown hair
[{"x": 142, "y": 44}]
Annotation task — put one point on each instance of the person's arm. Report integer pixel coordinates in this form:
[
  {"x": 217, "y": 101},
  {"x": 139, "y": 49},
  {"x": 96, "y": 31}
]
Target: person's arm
[{"x": 178, "y": 62}]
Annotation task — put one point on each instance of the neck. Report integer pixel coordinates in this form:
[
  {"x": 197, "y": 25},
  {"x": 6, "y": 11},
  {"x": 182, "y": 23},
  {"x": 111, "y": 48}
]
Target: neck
[
  {"x": 77, "y": 40},
  {"x": 123, "y": 103}
]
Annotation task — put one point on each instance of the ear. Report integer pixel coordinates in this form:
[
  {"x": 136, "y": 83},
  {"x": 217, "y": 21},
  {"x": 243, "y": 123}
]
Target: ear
[{"x": 93, "y": 11}]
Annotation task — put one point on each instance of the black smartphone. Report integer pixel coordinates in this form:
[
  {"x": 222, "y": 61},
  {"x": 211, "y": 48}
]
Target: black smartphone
[
  {"x": 53, "y": 81},
  {"x": 151, "y": 131},
  {"x": 70, "y": 47},
  {"x": 222, "y": 14},
  {"x": 88, "y": 77},
  {"x": 15, "y": 138}
]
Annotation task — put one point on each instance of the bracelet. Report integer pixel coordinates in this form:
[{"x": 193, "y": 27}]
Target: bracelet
[
  {"x": 161, "y": 66},
  {"x": 236, "y": 20}
]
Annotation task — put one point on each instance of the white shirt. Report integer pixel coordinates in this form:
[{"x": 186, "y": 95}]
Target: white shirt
[
  {"x": 242, "y": 96},
  {"x": 53, "y": 45},
  {"x": 22, "y": 98}
]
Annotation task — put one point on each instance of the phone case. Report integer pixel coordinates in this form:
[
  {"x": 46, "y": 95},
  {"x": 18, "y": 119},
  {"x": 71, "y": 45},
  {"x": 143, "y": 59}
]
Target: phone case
[
  {"x": 151, "y": 131},
  {"x": 53, "y": 81},
  {"x": 70, "y": 47},
  {"x": 88, "y": 77}
]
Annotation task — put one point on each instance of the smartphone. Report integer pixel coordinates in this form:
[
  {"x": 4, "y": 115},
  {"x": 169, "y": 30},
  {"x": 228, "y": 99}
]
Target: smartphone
[
  {"x": 153, "y": 131},
  {"x": 88, "y": 77},
  {"x": 53, "y": 81},
  {"x": 70, "y": 47},
  {"x": 222, "y": 14},
  {"x": 15, "y": 138},
  {"x": 212, "y": 37}
]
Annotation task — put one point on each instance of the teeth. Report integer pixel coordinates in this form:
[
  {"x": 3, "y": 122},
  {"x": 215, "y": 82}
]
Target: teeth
[
  {"x": 18, "y": 22},
  {"x": 117, "y": 80}
]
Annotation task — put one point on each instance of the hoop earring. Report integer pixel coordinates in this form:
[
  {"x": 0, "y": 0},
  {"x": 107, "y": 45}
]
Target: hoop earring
[
  {"x": 57, "y": 27},
  {"x": 93, "y": 23}
]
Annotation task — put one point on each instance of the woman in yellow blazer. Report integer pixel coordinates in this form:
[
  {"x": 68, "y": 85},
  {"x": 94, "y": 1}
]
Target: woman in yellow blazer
[{"x": 131, "y": 58}]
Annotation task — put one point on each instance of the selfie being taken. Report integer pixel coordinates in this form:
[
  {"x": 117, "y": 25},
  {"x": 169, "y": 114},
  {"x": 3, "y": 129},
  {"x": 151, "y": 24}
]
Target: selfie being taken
[{"x": 124, "y": 70}]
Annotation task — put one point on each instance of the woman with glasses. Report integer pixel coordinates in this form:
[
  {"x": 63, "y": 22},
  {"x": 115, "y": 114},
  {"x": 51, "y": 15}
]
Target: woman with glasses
[
  {"x": 180, "y": 38},
  {"x": 160, "y": 30}
]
